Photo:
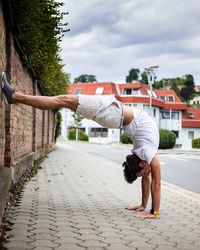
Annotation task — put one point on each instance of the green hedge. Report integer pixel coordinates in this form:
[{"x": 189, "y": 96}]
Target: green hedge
[
  {"x": 167, "y": 139},
  {"x": 58, "y": 125},
  {"x": 125, "y": 139},
  {"x": 81, "y": 135},
  {"x": 196, "y": 143}
]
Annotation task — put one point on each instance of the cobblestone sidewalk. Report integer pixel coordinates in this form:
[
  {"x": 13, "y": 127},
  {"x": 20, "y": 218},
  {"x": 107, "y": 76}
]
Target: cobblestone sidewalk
[{"x": 77, "y": 201}]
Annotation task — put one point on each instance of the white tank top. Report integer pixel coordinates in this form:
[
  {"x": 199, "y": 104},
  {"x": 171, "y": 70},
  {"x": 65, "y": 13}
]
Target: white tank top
[{"x": 145, "y": 135}]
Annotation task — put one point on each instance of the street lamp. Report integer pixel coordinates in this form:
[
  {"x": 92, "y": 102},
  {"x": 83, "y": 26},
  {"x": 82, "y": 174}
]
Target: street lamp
[{"x": 151, "y": 73}]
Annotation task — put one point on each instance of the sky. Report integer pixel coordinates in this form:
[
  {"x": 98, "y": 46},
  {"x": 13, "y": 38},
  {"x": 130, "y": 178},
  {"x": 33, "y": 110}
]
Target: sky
[{"x": 108, "y": 38}]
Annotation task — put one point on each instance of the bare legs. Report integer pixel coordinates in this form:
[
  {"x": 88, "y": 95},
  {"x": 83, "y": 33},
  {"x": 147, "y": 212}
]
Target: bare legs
[
  {"x": 45, "y": 102},
  {"x": 60, "y": 101}
]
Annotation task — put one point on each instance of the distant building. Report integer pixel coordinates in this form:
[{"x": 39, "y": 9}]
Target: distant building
[
  {"x": 168, "y": 111},
  {"x": 195, "y": 101}
]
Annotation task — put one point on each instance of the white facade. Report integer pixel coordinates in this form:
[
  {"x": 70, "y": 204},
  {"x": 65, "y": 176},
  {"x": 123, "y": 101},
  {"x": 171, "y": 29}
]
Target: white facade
[
  {"x": 96, "y": 133},
  {"x": 187, "y": 134}
]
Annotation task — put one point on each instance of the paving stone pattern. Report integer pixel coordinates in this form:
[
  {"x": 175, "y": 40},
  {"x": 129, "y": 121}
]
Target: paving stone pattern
[{"x": 77, "y": 201}]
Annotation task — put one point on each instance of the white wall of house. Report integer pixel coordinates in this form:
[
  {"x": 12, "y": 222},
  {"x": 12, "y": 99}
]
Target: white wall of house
[
  {"x": 187, "y": 134},
  {"x": 195, "y": 100},
  {"x": 111, "y": 135}
]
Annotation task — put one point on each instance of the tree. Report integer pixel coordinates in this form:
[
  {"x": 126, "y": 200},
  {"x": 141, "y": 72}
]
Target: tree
[
  {"x": 187, "y": 92},
  {"x": 189, "y": 80},
  {"x": 144, "y": 78},
  {"x": 77, "y": 122},
  {"x": 58, "y": 125},
  {"x": 133, "y": 75},
  {"x": 85, "y": 78},
  {"x": 39, "y": 29}
]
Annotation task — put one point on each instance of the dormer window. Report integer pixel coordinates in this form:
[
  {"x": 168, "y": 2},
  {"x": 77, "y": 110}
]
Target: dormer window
[
  {"x": 127, "y": 91},
  {"x": 99, "y": 90},
  {"x": 162, "y": 98},
  {"x": 136, "y": 92},
  {"x": 171, "y": 98}
]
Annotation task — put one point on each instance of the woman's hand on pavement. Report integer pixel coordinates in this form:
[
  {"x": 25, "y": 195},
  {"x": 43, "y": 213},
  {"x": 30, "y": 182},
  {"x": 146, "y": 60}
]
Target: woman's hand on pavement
[{"x": 146, "y": 216}]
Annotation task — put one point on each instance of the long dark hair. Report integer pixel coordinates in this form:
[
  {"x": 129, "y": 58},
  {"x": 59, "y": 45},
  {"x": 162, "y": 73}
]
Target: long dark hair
[{"x": 131, "y": 167}]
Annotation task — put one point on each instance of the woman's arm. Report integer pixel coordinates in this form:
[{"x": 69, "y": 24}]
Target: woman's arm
[
  {"x": 156, "y": 183},
  {"x": 155, "y": 190}
]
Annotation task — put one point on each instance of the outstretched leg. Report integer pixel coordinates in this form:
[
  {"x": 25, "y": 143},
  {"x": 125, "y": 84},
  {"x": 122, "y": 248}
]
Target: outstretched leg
[
  {"x": 41, "y": 102},
  {"x": 46, "y": 102}
]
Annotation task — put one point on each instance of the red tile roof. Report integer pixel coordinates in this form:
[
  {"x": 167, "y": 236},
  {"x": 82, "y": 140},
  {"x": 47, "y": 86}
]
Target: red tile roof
[
  {"x": 167, "y": 93},
  {"x": 90, "y": 88},
  {"x": 191, "y": 118}
]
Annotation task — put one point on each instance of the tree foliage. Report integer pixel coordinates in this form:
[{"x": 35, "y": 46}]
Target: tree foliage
[
  {"x": 183, "y": 86},
  {"x": 144, "y": 78},
  {"x": 133, "y": 75},
  {"x": 167, "y": 139},
  {"x": 39, "y": 30},
  {"x": 85, "y": 78},
  {"x": 81, "y": 135},
  {"x": 58, "y": 125},
  {"x": 77, "y": 119}
]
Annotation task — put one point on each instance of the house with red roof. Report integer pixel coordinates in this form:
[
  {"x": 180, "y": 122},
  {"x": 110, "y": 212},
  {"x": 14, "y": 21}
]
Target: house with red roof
[{"x": 166, "y": 108}]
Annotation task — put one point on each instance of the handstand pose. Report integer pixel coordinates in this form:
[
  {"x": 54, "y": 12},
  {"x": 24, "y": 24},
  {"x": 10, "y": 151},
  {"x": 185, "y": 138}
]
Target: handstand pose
[{"x": 110, "y": 113}]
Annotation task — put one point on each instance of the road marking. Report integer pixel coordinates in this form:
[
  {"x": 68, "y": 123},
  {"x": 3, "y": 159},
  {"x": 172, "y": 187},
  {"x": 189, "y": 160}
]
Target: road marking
[{"x": 162, "y": 163}]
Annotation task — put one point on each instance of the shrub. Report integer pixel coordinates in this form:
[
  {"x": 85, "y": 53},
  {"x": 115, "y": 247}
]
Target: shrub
[
  {"x": 81, "y": 135},
  {"x": 58, "y": 125},
  {"x": 196, "y": 143},
  {"x": 125, "y": 139},
  {"x": 167, "y": 139}
]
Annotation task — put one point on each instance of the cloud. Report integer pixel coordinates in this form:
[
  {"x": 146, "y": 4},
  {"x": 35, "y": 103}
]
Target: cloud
[{"x": 108, "y": 38}]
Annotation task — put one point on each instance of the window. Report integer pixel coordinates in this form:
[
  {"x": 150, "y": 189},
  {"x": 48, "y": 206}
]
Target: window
[
  {"x": 190, "y": 134},
  {"x": 175, "y": 115},
  {"x": 127, "y": 91},
  {"x": 77, "y": 91},
  {"x": 136, "y": 92},
  {"x": 176, "y": 133},
  {"x": 99, "y": 90},
  {"x": 165, "y": 114},
  {"x": 162, "y": 98},
  {"x": 154, "y": 112},
  {"x": 98, "y": 132},
  {"x": 171, "y": 98}
]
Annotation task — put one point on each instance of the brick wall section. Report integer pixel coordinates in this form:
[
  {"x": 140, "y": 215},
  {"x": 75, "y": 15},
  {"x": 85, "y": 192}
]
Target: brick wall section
[
  {"x": 21, "y": 115},
  {"x": 26, "y": 133},
  {"x": 46, "y": 128},
  {"x": 51, "y": 127},
  {"x": 2, "y": 105},
  {"x": 39, "y": 128}
]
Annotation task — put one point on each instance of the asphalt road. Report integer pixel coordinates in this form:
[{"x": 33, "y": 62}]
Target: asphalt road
[{"x": 179, "y": 169}]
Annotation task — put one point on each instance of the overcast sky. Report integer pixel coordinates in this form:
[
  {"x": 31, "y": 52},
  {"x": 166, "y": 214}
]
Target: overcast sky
[{"x": 109, "y": 37}]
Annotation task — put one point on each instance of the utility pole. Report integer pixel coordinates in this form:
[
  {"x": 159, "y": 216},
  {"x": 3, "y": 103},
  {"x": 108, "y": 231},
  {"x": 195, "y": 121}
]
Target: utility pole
[{"x": 151, "y": 73}]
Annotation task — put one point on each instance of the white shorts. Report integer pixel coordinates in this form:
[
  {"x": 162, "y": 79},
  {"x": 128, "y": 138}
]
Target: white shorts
[{"x": 103, "y": 109}]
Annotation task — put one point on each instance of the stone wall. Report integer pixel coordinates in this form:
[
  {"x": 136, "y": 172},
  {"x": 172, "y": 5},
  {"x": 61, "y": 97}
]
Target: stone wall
[
  {"x": 26, "y": 133},
  {"x": 2, "y": 105}
]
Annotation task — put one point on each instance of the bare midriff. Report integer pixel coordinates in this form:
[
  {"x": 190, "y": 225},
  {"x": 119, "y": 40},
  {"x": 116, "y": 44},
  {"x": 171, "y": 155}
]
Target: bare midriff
[{"x": 128, "y": 115}]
